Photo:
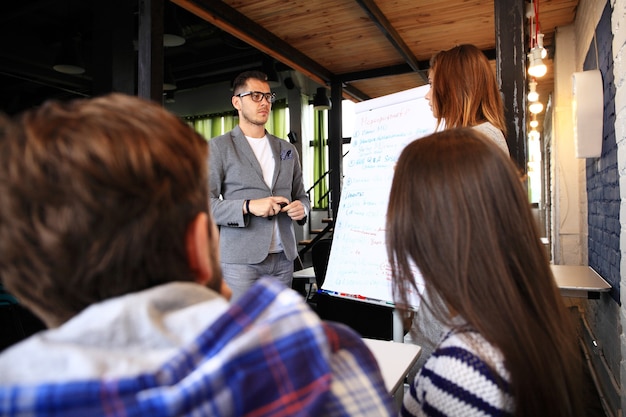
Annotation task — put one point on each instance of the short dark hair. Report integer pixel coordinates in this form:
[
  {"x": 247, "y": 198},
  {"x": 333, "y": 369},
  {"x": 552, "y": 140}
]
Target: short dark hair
[
  {"x": 241, "y": 80},
  {"x": 97, "y": 195}
]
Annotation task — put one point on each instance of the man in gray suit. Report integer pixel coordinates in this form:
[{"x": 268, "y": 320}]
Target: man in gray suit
[{"x": 256, "y": 191}]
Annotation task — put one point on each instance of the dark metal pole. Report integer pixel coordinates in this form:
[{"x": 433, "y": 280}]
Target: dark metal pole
[{"x": 335, "y": 145}]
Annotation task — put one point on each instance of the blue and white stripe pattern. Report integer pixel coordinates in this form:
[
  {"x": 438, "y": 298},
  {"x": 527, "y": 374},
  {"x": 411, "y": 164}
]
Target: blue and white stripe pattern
[{"x": 459, "y": 380}]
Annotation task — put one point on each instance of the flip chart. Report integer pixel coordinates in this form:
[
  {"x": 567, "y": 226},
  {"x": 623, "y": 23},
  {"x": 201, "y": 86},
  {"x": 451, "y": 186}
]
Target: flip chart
[{"x": 358, "y": 267}]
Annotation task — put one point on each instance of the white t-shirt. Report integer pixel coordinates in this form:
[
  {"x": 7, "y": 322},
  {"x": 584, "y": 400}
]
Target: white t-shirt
[{"x": 263, "y": 153}]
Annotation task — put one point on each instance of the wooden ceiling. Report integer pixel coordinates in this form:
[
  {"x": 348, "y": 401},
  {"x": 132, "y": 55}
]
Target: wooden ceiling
[
  {"x": 380, "y": 46},
  {"x": 374, "y": 47}
]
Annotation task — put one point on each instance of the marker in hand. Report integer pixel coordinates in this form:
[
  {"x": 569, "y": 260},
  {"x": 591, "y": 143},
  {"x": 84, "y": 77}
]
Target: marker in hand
[{"x": 281, "y": 207}]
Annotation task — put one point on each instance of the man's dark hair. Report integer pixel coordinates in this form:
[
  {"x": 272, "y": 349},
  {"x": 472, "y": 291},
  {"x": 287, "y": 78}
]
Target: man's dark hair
[{"x": 242, "y": 79}]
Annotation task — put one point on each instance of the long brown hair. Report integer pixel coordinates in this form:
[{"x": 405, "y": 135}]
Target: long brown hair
[
  {"x": 464, "y": 89},
  {"x": 97, "y": 195},
  {"x": 458, "y": 211}
]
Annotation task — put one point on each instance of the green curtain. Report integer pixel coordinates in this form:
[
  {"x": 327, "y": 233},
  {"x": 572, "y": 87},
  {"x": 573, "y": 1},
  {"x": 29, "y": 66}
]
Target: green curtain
[
  {"x": 277, "y": 123},
  {"x": 213, "y": 125},
  {"x": 230, "y": 121},
  {"x": 320, "y": 159},
  {"x": 203, "y": 126}
]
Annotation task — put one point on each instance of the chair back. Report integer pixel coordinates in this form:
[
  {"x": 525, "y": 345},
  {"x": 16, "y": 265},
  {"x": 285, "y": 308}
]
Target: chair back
[{"x": 320, "y": 252}]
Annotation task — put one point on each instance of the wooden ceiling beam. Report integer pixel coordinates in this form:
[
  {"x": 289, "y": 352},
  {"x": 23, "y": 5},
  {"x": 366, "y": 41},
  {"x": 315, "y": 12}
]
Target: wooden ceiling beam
[
  {"x": 376, "y": 73},
  {"x": 230, "y": 20},
  {"x": 380, "y": 20},
  {"x": 397, "y": 69}
]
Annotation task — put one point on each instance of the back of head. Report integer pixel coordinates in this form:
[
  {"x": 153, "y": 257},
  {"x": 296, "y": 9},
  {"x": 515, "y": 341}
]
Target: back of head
[
  {"x": 97, "y": 195},
  {"x": 465, "y": 90},
  {"x": 457, "y": 209},
  {"x": 454, "y": 204}
]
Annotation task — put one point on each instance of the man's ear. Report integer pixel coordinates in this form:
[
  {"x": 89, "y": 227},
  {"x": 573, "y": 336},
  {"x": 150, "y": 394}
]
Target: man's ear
[
  {"x": 197, "y": 246},
  {"x": 236, "y": 102}
]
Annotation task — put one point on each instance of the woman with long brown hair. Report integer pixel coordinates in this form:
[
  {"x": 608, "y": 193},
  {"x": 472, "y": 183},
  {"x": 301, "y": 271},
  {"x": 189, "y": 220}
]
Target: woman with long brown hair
[
  {"x": 464, "y": 92},
  {"x": 458, "y": 212}
]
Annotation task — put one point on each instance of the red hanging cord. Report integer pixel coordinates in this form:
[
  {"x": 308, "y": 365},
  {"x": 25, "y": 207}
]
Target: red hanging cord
[{"x": 537, "y": 28}]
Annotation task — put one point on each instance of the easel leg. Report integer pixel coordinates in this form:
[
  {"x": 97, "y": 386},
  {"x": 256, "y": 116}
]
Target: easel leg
[{"x": 398, "y": 327}]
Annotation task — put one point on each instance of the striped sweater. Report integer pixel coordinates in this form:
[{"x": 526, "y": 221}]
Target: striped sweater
[{"x": 457, "y": 380}]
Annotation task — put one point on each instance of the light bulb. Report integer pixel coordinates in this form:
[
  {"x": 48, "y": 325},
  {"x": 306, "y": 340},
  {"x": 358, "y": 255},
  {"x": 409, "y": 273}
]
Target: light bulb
[
  {"x": 534, "y": 123},
  {"x": 536, "y": 107},
  {"x": 532, "y": 94},
  {"x": 544, "y": 53},
  {"x": 536, "y": 66}
]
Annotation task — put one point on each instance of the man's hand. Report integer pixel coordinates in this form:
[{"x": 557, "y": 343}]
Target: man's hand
[
  {"x": 269, "y": 206},
  {"x": 295, "y": 210}
]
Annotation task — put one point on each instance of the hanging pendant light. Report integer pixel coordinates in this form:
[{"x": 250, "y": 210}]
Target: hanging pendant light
[
  {"x": 534, "y": 123},
  {"x": 536, "y": 107},
  {"x": 69, "y": 60},
  {"x": 532, "y": 94},
  {"x": 536, "y": 67},
  {"x": 321, "y": 100}
]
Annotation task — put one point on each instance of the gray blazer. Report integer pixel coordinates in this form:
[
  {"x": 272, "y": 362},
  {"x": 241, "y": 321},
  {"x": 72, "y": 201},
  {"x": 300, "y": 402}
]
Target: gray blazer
[{"x": 235, "y": 176}]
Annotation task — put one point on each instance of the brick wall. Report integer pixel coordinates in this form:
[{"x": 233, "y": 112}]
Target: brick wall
[{"x": 603, "y": 193}]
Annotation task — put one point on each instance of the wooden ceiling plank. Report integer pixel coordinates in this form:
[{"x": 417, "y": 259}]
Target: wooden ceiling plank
[
  {"x": 238, "y": 25},
  {"x": 390, "y": 33}
]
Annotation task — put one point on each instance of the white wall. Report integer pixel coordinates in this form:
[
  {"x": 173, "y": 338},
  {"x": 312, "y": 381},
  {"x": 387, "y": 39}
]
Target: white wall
[{"x": 568, "y": 233}]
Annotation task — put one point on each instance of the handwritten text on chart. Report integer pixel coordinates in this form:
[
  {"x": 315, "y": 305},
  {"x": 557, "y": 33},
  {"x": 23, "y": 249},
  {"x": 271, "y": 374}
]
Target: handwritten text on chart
[{"x": 358, "y": 262}]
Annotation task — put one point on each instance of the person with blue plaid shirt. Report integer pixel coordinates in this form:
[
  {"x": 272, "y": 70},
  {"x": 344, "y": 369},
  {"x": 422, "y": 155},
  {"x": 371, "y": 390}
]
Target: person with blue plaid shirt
[{"x": 106, "y": 234}]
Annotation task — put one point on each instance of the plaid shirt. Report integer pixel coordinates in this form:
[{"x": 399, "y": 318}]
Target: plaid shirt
[{"x": 267, "y": 355}]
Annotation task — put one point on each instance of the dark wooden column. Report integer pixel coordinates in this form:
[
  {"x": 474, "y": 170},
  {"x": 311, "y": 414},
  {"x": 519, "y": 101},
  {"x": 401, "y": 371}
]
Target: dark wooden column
[
  {"x": 113, "y": 57},
  {"x": 511, "y": 73},
  {"x": 335, "y": 145},
  {"x": 150, "y": 59}
]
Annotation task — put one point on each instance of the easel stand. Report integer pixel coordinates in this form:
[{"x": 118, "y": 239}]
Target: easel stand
[{"x": 370, "y": 320}]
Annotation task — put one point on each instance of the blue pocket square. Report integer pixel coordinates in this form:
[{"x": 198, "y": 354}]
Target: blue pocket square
[{"x": 287, "y": 154}]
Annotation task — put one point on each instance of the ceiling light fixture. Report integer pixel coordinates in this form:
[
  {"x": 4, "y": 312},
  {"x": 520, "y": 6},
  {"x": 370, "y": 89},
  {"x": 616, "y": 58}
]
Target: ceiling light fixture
[
  {"x": 534, "y": 123},
  {"x": 536, "y": 107},
  {"x": 269, "y": 68},
  {"x": 532, "y": 94},
  {"x": 544, "y": 52},
  {"x": 69, "y": 60},
  {"x": 536, "y": 67},
  {"x": 172, "y": 32},
  {"x": 321, "y": 100}
]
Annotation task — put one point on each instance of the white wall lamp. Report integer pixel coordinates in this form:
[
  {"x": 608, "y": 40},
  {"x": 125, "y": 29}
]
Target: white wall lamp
[{"x": 588, "y": 113}]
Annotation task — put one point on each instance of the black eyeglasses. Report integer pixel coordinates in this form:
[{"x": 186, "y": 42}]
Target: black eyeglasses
[{"x": 257, "y": 96}]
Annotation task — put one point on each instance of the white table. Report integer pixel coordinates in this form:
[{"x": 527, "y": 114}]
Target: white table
[
  {"x": 395, "y": 361},
  {"x": 308, "y": 276},
  {"x": 306, "y": 273},
  {"x": 579, "y": 281},
  {"x": 572, "y": 280}
]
